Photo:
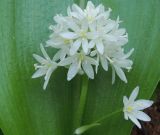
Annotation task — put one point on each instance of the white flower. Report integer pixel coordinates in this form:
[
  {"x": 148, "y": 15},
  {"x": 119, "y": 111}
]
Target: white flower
[
  {"x": 62, "y": 44},
  {"x": 93, "y": 13},
  {"x": 119, "y": 62},
  {"x": 80, "y": 34},
  {"x": 79, "y": 63},
  {"x": 46, "y": 67},
  {"x": 76, "y": 12},
  {"x": 114, "y": 56},
  {"x": 132, "y": 109}
]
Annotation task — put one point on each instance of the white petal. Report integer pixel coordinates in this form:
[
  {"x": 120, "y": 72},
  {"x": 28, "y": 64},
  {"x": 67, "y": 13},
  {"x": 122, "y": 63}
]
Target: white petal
[
  {"x": 120, "y": 73},
  {"x": 125, "y": 116},
  {"x": 47, "y": 77},
  {"x": 121, "y": 41},
  {"x": 100, "y": 8},
  {"x": 142, "y": 104},
  {"x": 93, "y": 53},
  {"x": 97, "y": 60},
  {"x": 72, "y": 25},
  {"x": 105, "y": 15},
  {"x": 44, "y": 52},
  {"x": 54, "y": 42},
  {"x": 69, "y": 11},
  {"x": 104, "y": 63},
  {"x": 40, "y": 72},
  {"x": 134, "y": 120},
  {"x": 50, "y": 70},
  {"x": 65, "y": 51},
  {"x": 142, "y": 116},
  {"x": 92, "y": 27},
  {"x": 57, "y": 55},
  {"x": 113, "y": 75},
  {"x": 91, "y": 44},
  {"x": 75, "y": 46},
  {"x": 128, "y": 54},
  {"x": 84, "y": 26},
  {"x": 125, "y": 100},
  {"x": 66, "y": 61},
  {"x": 91, "y": 60},
  {"x": 78, "y": 9},
  {"x": 85, "y": 45},
  {"x": 39, "y": 58},
  {"x": 92, "y": 35},
  {"x": 100, "y": 46},
  {"x": 109, "y": 27},
  {"x": 96, "y": 70},
  {"x": 69, "y": 35},
  {"x": 124, "y": 63},
  {"x": 73, "y": 70},
  {"x": 134, "y": 94},
  {"x": 110, "y": 37},
  {"x": 88, "y": 69},
  {"x": 120, "y": 31},
  {"x": 90, "y": 5}
]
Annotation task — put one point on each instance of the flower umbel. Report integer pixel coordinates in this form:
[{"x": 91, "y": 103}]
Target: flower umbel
[
  {"x": 133, "y": 109},
  {"x": 86, "y": 39}
]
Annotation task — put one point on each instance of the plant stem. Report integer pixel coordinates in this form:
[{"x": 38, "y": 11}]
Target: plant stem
[
  {"x": 82, "y": 4},
  {"x": 82, "y": 102},
  {"x": 84, "y": 128},
  {"x": 107, "y": 116},
  {"x": 84, "y": 89}
]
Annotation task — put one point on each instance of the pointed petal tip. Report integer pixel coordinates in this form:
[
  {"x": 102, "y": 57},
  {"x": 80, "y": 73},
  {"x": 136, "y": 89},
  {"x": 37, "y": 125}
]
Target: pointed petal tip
[
  {"x": 41, "y": 45},
  {"x": 125, "y": 81},
  {"x": 137, "y": 89},
  {"x": 34, "y": 76},
  {"x": 134, "y": 94},
  {"x": 91, "y": 77},
  {"x": 44, "y": 86},
  {"x": 34, "y": 55},
  {"x": 69, "y": 79},
  {"x": 151, "y": 102}
]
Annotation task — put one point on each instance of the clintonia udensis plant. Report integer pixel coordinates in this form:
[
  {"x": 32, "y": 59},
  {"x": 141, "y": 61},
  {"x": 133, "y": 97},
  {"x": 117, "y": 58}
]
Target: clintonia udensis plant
[{"x": 86, "y": 39}]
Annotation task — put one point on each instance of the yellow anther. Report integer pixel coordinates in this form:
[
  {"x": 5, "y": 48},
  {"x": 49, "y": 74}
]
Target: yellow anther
[
  {"x": 90, "y": 18},
  {"x": 83, "y": 34},
  {"x": 67, "y": 41},
  {"x": 81, "y": 57},
  {"x": 129, "y": 109}
]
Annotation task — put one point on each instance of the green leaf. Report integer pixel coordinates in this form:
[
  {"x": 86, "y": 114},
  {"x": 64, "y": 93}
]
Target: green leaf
[{"x": 26, "y": 109}]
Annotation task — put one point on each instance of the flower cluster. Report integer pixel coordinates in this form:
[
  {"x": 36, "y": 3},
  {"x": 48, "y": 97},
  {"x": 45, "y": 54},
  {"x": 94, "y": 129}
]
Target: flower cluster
[{"x": 86, "y": 39}]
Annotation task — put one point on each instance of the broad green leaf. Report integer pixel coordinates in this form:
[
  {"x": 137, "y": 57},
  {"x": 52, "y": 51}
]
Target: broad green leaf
[{"x": 26, "y": 109}]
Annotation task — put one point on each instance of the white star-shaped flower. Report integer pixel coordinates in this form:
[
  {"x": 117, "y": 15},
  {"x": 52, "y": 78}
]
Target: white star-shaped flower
[
  {"x": 80, "y": 34},
  {"x": 133, "y": 108},
  {"x": 45, "y": 68},
  {"x": 79, "y": 63},
  {"x": 119, "y": 62}
]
